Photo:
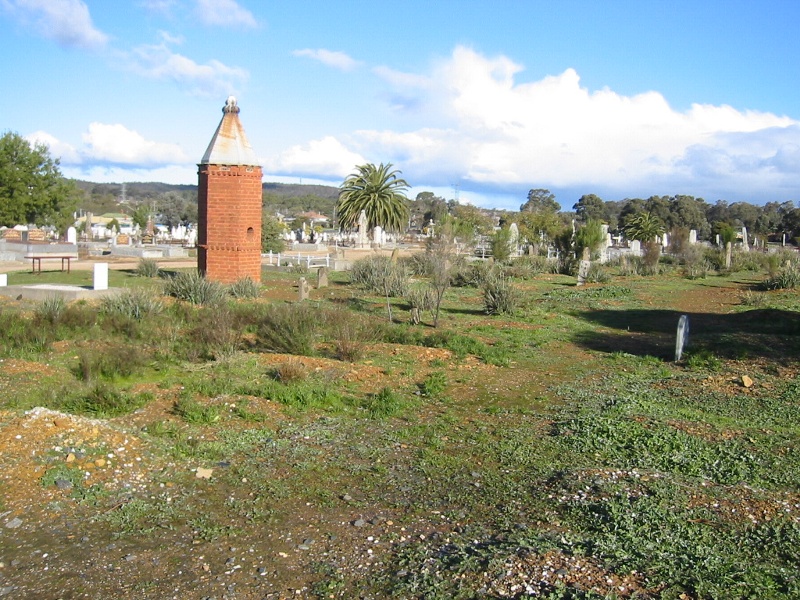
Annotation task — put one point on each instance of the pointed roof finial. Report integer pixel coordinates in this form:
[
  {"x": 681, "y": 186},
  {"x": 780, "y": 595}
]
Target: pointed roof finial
[
  {"x": 230, "y": 105},
  {"x": 229, "y": 146}
]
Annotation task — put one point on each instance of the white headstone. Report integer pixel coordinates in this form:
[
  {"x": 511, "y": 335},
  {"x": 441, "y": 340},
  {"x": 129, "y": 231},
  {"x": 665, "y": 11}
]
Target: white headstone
[
  {"x": 683, "y": 336},
  {"x": 745, "y": 242},
  {"x": 636, "y": 247},
  {"x": 377, "y": 235},
  {"x": 72, "y": 235},
  {"x": 100, "y": 276},
  {"x": 363, "y": 236},
  {"x": 609, "y": 240},
  {"x": 665, "y": 239},
  {"x": 693, "y": 236},
  {"x": 3, "y": 279}
]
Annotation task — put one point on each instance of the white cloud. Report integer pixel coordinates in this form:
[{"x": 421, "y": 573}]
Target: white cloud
[
  {"x": 324, "y": 158},
  {"x": 480, "y": 125},
  {"x": 67, "y": 22},
  {"x": 161, "y": 7},
  {"x": 63, "y": 151},
  {"x": 224, "y": 12},
  {"x": 213, "y": 78},
  {"x": 330, "y": 58},
  {"x": 117, "y": 144}
]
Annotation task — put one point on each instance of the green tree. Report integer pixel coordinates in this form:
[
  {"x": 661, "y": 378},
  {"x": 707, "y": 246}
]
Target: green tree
[
  {"x": 500, "y": 243},
  {"x": 141, "y": 215},
  {"x": 32, "y": 189},
  {"x": 272, "y": 232},
  {"x": 588, "y": 236},
  {"x": 540, "y": 200},
  {"x": 590, "y": 206},
  {"x": 379, "y": 192},
  {"x": 643, "y": 227}
]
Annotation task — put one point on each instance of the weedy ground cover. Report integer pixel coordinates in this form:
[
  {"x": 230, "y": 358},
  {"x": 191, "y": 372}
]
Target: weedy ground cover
[{"x": 554, "y": 451}]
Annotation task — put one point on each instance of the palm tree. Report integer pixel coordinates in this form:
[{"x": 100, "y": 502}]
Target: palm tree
[
  {"x": 379, "y": 192},
  {"x": 644, "y": 227}
]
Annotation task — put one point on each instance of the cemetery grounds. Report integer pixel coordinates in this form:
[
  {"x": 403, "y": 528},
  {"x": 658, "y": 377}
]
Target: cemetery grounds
[{"x": 220, "y": 452}]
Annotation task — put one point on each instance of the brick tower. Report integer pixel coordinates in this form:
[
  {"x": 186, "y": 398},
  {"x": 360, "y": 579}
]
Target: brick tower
[{"x": 229, "y": 204}]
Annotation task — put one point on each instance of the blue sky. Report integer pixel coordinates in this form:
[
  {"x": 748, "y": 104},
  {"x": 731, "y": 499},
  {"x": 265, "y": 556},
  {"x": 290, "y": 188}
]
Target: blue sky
[{"x": 483, "y": 100}]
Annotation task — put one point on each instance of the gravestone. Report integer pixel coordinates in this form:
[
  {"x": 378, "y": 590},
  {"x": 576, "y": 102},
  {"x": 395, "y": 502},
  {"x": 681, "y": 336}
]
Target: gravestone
[
  {"x": 682, "y": 338},
  {"x": 745, "y": 241},
  {"x": 636, "y": 247},
  {"x": 377, "y": 236},
  {"x": 72, "y": 235},
  {"x": 583, "y": 271},
  {"x": 36, "y": 235},
  {"x": 322, "y": 277},
  {"x": 513, "y": 239},
  {"x": 728, "y": 255},
  {"x": 303, "y": 289},
  {"x": 12, "y": 235},
  {"x": 123, "y": 239},
  {"x": 3, "y": 279},
  {"x": 693, "y": 236},
  {"x": 363, "y": 237},
  {"x": 100, "y": 279}
]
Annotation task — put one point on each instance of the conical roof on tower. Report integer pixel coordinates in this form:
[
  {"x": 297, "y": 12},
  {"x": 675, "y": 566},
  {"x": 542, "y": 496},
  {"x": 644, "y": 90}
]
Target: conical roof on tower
[{"x": 229, "y": 146}]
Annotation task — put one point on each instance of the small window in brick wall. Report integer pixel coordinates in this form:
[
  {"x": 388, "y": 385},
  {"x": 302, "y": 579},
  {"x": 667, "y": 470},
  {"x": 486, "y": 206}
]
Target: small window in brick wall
[{"x": 250, "y": 233}]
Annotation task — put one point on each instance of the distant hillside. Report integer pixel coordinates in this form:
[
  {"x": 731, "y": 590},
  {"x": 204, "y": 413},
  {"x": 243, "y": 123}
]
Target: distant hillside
[
  {"x": 297, "y": 190},
  {"x": 149, "y": 189}
]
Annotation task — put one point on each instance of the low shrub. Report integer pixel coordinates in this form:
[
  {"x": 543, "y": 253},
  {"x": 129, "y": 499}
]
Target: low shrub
[
  {"x": 419, "y": 300},
  {"x": 50, "y": 310},
  {"x": 383, "y": 404},
  {"x": 434, "y": 385},
  {"x": 787, "y": 278},
  {"x": 192, "y": 287},
  {"x": 289, "y": 328},
  {"x": 147, "y": 267},
  {"x": 192, "y": 411},
  {"x": 472, "y": 274},
  {"x": 103, "y": 401},
  {"x": 134, "y": 303},
  {"x": 110, "y": 362},
  {"x": 380, "y": 275},
  {"x": 214, "y": 332},
  {"x": 597, "y": 274},
  {"x": 244, "y": 288},
  {"x": 500, "y": 296},
  {"x": 290, "y": 371},
  {"x": 350, "y": 332}
]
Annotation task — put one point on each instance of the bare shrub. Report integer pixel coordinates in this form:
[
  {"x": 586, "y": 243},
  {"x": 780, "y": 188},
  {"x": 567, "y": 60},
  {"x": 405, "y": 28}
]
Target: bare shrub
[{"x": 289, "y": 328}]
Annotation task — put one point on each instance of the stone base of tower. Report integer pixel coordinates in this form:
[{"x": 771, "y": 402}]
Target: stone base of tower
[{"x": 226, "y": 264}]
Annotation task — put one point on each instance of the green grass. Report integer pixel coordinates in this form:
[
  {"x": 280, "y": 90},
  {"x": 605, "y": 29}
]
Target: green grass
[{"x": 573, "y": 432}]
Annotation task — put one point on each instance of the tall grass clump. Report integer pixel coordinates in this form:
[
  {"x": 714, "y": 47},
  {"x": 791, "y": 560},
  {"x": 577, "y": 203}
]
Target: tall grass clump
[
  {"x": 380, "y": 275},
  {"x": 133, "y": 303},
  {"x": 244, "y": 288},
  {"x": 419, "y": 300},
  {"x": 597, "y": 274},
  {"x": 147, "y": 267},
  {"x": 289, "y": 329},
  {"x": 788, "y": 278},
  {"x": 500, "y": 297},
  {"x": 50, "y": 310},
  {"x": 192, "y": 287}
]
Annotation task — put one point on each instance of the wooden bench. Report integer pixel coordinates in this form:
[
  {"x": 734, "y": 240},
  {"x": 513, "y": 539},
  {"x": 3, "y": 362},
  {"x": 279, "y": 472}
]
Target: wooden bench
[{"x": 36, "y": 261}]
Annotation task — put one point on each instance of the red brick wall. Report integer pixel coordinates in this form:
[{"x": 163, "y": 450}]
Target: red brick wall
[{"x": 229, "y": 204}]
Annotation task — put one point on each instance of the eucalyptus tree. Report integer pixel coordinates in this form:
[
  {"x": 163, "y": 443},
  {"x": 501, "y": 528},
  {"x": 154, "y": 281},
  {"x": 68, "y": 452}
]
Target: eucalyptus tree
[
  {"x": 32, "y": 189},
  {"x": 379, "y": 192}
]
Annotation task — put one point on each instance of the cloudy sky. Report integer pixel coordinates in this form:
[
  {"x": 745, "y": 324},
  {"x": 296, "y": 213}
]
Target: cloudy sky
[{"x": 474, "y": 99}]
